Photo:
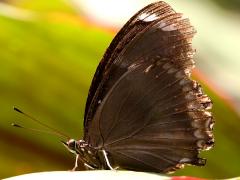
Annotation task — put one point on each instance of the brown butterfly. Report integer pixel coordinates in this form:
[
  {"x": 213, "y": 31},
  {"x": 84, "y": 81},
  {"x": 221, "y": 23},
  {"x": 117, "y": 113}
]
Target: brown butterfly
[{"x": 143, "y": 111}]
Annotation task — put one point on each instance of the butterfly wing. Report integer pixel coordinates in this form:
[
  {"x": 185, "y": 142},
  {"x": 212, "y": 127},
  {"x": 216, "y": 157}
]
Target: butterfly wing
[{"x": 147, "y": 112}]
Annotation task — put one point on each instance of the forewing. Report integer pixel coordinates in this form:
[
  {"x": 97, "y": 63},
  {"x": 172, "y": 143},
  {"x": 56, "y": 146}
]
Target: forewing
[{"x": 138, "y": 40}]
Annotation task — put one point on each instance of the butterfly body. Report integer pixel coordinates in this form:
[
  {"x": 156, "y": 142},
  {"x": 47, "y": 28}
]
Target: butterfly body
[{"x": 143, "y": 111}]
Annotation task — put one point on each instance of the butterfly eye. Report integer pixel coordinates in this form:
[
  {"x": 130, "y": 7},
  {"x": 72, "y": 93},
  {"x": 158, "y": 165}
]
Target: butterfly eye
[{"x": 71, "y": 144}]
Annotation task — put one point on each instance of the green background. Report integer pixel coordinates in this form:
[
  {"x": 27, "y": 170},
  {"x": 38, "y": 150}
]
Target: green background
[{"x": 46, "y": 65}]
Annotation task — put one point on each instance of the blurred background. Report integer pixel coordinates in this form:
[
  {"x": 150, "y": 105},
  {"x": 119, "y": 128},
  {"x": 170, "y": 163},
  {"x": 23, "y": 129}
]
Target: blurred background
[{"x": 49, "y": 51}]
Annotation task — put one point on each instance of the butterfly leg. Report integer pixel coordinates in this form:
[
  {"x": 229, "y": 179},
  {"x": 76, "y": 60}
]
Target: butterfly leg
[
  {"x": 107, "y": 160},
  {"x": 88, "y": 167},
  {"x": 76, "y": 163}
]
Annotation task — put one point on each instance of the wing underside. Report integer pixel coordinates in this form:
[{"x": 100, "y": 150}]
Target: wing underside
[{"x": 143, "y": 108}]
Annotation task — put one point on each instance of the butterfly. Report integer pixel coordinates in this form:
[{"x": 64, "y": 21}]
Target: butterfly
[{"x": 143, "y": 111}]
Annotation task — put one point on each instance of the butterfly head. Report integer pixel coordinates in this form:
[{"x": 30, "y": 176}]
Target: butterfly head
[{"x": 73, "y": 146}]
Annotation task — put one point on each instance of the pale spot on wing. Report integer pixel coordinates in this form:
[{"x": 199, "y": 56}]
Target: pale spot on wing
[
  {"x": 171, "y": 27},
  {"x": 208, "y": 114},
  {"x": 147, "y": 18},
  {"x": 199, "y": 134},
  {"x": 148, "y": 68},
  {"x": 162, "y": 24}
]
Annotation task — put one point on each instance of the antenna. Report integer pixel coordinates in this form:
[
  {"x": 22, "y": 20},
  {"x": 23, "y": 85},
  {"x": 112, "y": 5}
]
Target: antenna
[
  {"x": 52, "y": 131},
  {"x": 37, "y": 130}
]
